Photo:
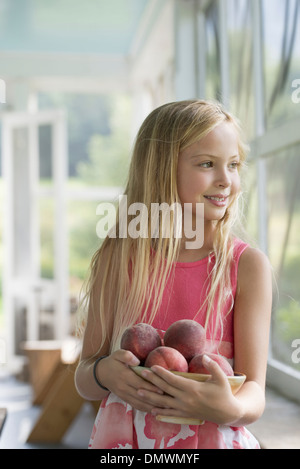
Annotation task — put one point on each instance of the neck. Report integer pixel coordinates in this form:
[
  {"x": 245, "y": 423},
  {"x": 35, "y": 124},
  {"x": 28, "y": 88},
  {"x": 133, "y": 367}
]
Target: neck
[{"x": 189, "y": 254}]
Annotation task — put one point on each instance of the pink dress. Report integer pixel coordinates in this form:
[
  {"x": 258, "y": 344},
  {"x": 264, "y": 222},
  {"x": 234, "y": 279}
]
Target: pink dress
[{"x": 119, "y": 426}]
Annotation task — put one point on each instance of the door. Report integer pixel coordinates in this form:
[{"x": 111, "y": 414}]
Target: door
[{"x": 34, "y": 160}]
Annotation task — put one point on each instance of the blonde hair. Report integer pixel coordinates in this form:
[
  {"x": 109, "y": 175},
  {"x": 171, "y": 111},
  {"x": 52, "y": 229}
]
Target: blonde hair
[{"x": 136, "y": 270}]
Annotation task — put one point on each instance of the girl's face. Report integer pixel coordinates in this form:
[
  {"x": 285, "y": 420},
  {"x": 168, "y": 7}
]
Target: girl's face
[{"x": 208, "y": 172}]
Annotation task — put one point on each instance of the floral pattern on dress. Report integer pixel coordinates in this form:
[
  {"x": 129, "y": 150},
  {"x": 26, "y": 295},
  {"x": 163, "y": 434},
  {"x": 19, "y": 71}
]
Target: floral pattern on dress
[{"x": 119, "y": 426}]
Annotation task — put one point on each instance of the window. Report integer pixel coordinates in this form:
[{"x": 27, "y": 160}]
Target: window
[
  {"x": 98, "y": 161},
  {"x": 262, "y": 49},
  {"x": 283, "y": 196},
  {"x": 281, "y": 58},
  {"x": 241, "y": 62},
  {"x": 213, "y": 66}
]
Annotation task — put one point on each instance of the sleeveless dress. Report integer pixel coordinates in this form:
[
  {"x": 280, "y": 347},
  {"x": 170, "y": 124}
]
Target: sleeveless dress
[{"x": 119, "y": 426}]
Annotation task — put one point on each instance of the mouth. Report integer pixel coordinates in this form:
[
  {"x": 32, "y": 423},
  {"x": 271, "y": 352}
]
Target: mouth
[{"x": 218, "y": 200}]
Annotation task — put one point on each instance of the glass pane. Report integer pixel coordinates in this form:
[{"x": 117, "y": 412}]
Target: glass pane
[
  {"x": 240, "y": 55},
  {"x": 21, "y": 202},
  {"x": 45, "y": 152},
  {"x": 281, "y": 58},
  {"x": 1, "y": 254},
  {"x": 46, "y": 218},
  {"x": 99, "y": 133},
  {"x": 213, "y": 72},
  {"x": 283, "y": 196},
  {"x": 83, "y": 241},
  {"x": 250, "y": 201}
]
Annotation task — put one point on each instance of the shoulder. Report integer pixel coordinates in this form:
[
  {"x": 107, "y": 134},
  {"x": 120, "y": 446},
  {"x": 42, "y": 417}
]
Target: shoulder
[
  {"x": 254, "y": 258},
  {"x": 254, "y": 267},
  {"x": 239, "y": 247}
]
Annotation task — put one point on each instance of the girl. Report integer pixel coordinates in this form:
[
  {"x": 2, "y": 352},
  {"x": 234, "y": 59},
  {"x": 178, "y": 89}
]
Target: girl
[{"x": 187, "y": 152}]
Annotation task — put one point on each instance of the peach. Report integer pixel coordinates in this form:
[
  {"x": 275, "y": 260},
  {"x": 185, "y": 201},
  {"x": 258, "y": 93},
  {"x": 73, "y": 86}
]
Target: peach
[
  {"x": 187, "y": 336},
  {"x": 196, "y": 365},
  {"x": 168, "y": 358},
  {"x": 140, "y": 339}
]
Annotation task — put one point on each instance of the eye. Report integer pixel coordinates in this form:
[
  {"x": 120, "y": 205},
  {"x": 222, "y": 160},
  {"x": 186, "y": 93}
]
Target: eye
[
  {"x": 234, "y": 165},
  {"x": 206, "y": 164}
]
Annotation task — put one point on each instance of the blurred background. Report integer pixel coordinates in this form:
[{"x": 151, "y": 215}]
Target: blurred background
[{"x": 76, "y": 81}]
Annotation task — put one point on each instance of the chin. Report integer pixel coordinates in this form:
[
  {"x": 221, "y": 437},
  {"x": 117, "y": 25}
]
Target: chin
[{"x": 215, "y": 216}]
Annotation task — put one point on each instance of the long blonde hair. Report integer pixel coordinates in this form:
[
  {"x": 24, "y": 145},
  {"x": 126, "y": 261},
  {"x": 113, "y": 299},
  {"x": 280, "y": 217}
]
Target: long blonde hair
[{"x": 136, "y": 270}]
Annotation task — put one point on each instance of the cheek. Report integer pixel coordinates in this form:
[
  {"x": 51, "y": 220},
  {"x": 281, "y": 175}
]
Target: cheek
[
  {"x": 184, "y": 182},
  {"x": 236, "y": 184},
  {"x": 191, "y": 186}
]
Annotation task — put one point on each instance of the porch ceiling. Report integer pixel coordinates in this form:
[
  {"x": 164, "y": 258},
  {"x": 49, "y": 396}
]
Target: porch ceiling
[
  {"x": 69, "y": 26},
  {"x": 70, "y": 44}
]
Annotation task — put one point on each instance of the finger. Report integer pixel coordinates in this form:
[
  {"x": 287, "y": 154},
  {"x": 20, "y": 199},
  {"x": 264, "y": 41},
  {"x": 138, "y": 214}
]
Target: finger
[
  {"x": 217, "y": 374},
  {"x": 139, "y": 403},
  {"x": 141, "y": 383},
  {"x": 128, "y": 380},
  {"x": 172, "y": 378},
  {"x": 129, "y": 393},
  {"x": 166, "y": 380},
  {"x": 127, "y": 357},
  {"x": 156, "y": 400}
]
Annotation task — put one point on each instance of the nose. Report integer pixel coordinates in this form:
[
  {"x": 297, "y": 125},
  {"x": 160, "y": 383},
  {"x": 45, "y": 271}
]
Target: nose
[{"x": 223, "y": 179}]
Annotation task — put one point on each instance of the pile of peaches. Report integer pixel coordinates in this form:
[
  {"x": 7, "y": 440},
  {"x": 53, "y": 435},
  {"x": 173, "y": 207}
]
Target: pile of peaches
[{"x": 180, "y": 348}]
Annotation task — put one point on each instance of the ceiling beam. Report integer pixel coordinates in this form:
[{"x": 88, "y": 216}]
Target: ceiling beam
[{"x": 65, "y": 71}]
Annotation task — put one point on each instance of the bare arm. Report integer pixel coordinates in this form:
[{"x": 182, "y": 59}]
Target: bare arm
[
  {"x": 84, "y": 378},
  {"x": 251, "y": 330}
]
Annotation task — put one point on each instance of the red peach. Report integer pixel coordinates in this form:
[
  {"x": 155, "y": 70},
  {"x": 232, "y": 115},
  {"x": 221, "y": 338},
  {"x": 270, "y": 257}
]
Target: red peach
[
  {"x": 196, "y": 364},
  {"x": 168, "y": 358},
  {"x": 187, "y": 336},
  {"x": 140, "y": 339}
]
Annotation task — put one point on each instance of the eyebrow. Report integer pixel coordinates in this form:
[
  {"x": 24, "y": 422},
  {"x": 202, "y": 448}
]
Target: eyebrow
[{"x": 213, "y": 156}]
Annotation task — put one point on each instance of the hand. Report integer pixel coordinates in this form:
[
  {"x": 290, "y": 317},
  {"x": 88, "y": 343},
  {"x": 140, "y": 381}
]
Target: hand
[
  {"x": 115, "y": 374},
  {"x": 211, "y": 400}
]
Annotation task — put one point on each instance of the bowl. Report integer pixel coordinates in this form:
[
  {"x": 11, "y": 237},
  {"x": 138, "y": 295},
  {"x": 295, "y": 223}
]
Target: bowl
[{"x": 235, "y": 382}]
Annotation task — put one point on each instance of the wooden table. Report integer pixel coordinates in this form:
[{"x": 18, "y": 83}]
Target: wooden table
[{"x": 54, "y": 390}]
